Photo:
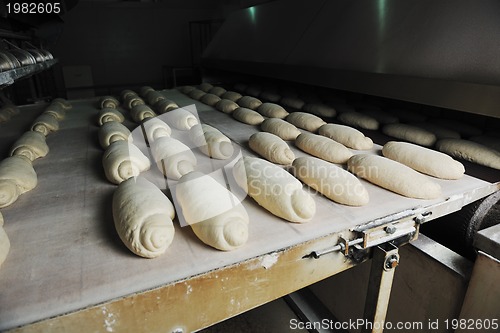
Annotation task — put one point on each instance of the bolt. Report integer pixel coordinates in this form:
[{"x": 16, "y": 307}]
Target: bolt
[
  {"x": 391, "y": 262},
  {"x": 390, "y": 229}
]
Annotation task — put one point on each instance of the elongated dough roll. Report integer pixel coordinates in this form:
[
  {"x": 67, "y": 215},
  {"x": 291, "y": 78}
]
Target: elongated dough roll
[
  {"x": 248, "y": 116},
  {"x": 145, "y": 90},
  {"x": 165, "y": 105},
  {"x": 439, "y": 131},
  {"x": 272, "y": 110},
  {"x": 210, "y": 99},
  {"x": 470, "y": 151},
  {"x": 56, "y": 110},
  {"x": 381, "y": 116},
  {"x": 249, "y": 102},
  {"x": 109, "y": 102},
  {"x": 125, "y": 94},
  {"x": 226, "y": 106},
  {"x": 123, "y": 160},
  {"x": 216, "y": 216},
  {"x": 323, "y": 147},
  {"x": 306, "y": 121},
  {"x": 410, "y": 133},
  {"x": 489, "y": 141},
  {"x": 173, "y": 158},
  {"x": 4, "y": 242},
  {"x": 196, "y": 94},
  {"x": 359, "y": 120},
  {"x": 156, "y": 128},
  {"x": 321, "y": 110},
  {"x": 292, "y": 102},
  {"x": 217, "y": 91},
  {"x": 408, "y": 116},
  {"x": 348, "y": 136},
  {"x": 45, "y": 124},
  {"x": 271, "y": 147},
  {"x": 109, "y": 114},
  {"x": 30, "y": 144},
  {"x": 186, "y": 89},
  {"x": 231, "y": 95},
  {"x": 113, "y": 131},
  {"x": 330, "y": 180},
  {"x": 17, "y": 176},
  {"x": 66, "y": 105},
  {"x": 211, "y": 141},
  {"x": 425, "y": 160},
  {"x": 141, "y": 112},
  {"x": 132, "y": 101},
  {"x": 205, "y": 87},
  {"x": 274, "y": 189},
  {"x": 180, "y": 119},
  {"x": 143, "y": 217},
  {"x": 281, "y": 128},
  {"x": 393, "y": 176},
  {"x": 270, "y": 96},
  {"x": 154, "y": 97}
]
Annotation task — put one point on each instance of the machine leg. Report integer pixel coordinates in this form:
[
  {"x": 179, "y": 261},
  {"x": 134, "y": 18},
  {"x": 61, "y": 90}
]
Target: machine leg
[{"x": 384, "y": 261}]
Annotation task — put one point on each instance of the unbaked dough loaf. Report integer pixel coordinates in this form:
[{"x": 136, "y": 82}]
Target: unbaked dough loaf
[
  {"x": 272, "y": 110},
  {"x": 439, "y": 131},
  {"x": 211, "y": 141},
  {"x": 123, "y": 160},
  {"x": 180, "y": 119},
  {"x": 358, "y": 120},
  {"x": 216, "y": 216},
  {"x": 281, "y": 128},
  {"x": 330, "y": 180},
  {"x": 408, "y": 116},
  {"x": 4, "y": 242},
  {"x": 226, "y": 106},
  {"x": 306, "y": 121},
  {"x": 145, "y": 90},
  {"x": 231, "y": 95},
  {"x": 270, "y": 96},
  {"x": 143, "y": 217},
  {"x": 156, "y": 128},
  {"x": 186, "y": 89},
  {"x": 470, "y": 151},
  {"x": 154, "y": 97},
  {"x": 488, "y": 141},
  {"x": 65, "y": 104},
  {"x": 141, "y": 112},
  {"x": 113, "y": 131},
  {"x": 45, "y": 124},
  {"x": 56, "y": 110},
  {"x": 17, "y": 176},
  {"x": 127, "y": 94},
  {"x": 109, "y": 114},
  {"x": 323, "y": 147},
  {"x": 196, "y": 94},
  {"x": 321, "y": 110},
  {"x": 210, "y": 99},
  {"x": 348, "y": 136},
  {"x": 425, "y": 160},
  {"x": 274, "y": 189},
  {"x": 31, "y": 144},
  {"x": 217, "y": 91},
  {"x": 381, "y": 116},
  {"x": 292, "y": 102},
  {"x": 393, "y": 176},
  {"x": 205, "y": 87},
  {"x": 410, "y": 133},
  {"x": 271, "y": 147},
  {"x": 173, "y": 158},
  {"x": 109, "y": 102},
  {"x": 165, "y": 105},
  {"x": 132, "y": 101},
  {"x": 248, "y": 116},
  {"x": 249, "y": 102}
]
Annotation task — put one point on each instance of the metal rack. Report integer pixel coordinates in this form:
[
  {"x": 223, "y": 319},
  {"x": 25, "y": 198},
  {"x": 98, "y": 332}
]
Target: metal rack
[{"x": 11, "y": 76}]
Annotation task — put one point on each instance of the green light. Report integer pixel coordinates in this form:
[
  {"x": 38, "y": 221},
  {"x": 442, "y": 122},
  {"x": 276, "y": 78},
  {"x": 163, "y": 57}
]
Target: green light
[{"x": 251, "y": 10}]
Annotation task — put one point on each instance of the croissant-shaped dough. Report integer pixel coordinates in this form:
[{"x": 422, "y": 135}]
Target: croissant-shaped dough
[
  {"x": 45, "y": 124},
  {"x": 109, "y": 102},
  {"x": 274, "y": 189},
  {"x": 109, "y": 114},
  {"x": 62, "y": 102},
  {"x": 30, "y": 144},
  {"x": 4, "y": 242},
  {"x": 143, "y": 217},
  {"x": 173, "y": 158},
  {"x": 132, "y": 101},
  {"x": 154, "y": 97},
  {"x": 216, "y": 216},
  {"x": 156, "y": 128},
  {"x": 141, "y": 112},
  {"x": 271, "y": 147},
  {"x": 113, "y": 131},
  {"x": 17, "y": 176},
  {"x": 123, "y": 160},
  {"x": 211, "y": 141},
  {"x": 56, "y": 110},
  {"x": 125, "y": 94},
  {"x": 165, "y": 105},
  {"x": 145, "y": 90},
  {"x": 180, "y": 119}
]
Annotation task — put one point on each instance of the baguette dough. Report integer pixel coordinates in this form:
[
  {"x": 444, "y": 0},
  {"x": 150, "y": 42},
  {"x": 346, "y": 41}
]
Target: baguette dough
[
  {"x": 488, "y": 141},
  {"x": 113, "y": 131},
  {"x": 123, "y": 160},
  {"x": 271, "y": 147},
  {"x": 330, "y": 180},
  {"x": 109, "y": 115},
  {"x": 231, "y": 95},
  {"x": 249, "y": 102},
  {"x": 216, "y": 216},
  {"x": 62, "y": 102},
  {"x": 196, "y": 94},
  {"x": 292, "y": 102},
  {"x": 45, "y": 124},
  {"x": 186, "y": 89},
  {"x": 248, "y": 116},
  {"x": 30, "y": 144},
  {"x": 321, "y": 110},
  {"x": 359, "y": 120},
  {"x": 470, "y": 151},
  {"x": 410, "y": 133},
  {"x": 211, "y": 141},
  {"x": 281, "y": 128},
  {"x": 270, "y": 96},
  {"x": 17, "y": 176},
  {"x": 56, "y": 110},
  {"x": 323, "y": 147},
  {"x": 173, "y": 158},
  {"x": 156, "y": 128},
  {"x": 205, "y": 87},
  {"x": 4, "y": 242},
  {"x": 165, "y": 105},
  {"x": 425, "y": 160},
  {"x": 217, "y": 91},
  {"x": 274, "y": 189},
  {"x": 439, "y": 131},
  {"x": 381, "y": 116},
  {"x": 306, "y": 121},
  {"x": 348, "y": 136},
  {"x": 109, "y": 102},
  {"x": 180, "y": 119},
  {"x": 132, "y": 101},
  {"x": 408, "y": 116},
  {"x": 226, "y": 106},
  {"x": 143, "y": 217},
  {"x": 210, "y": 99},
  {"x": 141, "y": 112},
  {"x": 393, "y": 176},
  {"x": 272, "y": 110}
]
